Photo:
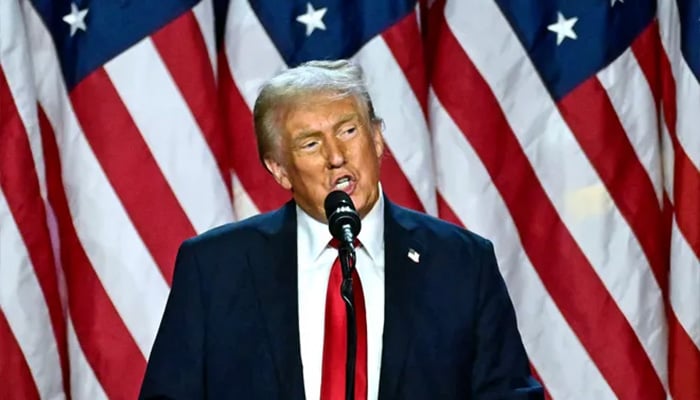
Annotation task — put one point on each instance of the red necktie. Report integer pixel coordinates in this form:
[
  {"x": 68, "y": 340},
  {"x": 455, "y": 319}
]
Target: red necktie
[{"x": 335, "y": 338}]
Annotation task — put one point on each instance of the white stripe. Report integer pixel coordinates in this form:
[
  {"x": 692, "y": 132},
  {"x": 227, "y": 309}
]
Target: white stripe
[
  {"x": 558, "y": 356},
  {"x": 14, "y": 59},
  {"x": 22, "y": 301},
  {"x": 251, "y": 56},
  {"x": 406, "y": 131},
  {"x": 684, "y": 279},
  {"x": 634, "y": 103},
  {"x": 687, "y": 86},
  {"x": 685, "y": 284},
  {"x": 667, "y": 157},
  {"x": 83, "y": 382},
  {"x": 566, "y": 175},
  {"x": 123, "y": 264},
  {"x": 204, "y": 14},
  {"x": 171, "y": 133},
  {"x": 242, "y": 203}
]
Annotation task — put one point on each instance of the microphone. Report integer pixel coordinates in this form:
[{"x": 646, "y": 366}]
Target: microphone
[
  {"x": 343, "y": 219},
  {"x": 344, "y": 224}
]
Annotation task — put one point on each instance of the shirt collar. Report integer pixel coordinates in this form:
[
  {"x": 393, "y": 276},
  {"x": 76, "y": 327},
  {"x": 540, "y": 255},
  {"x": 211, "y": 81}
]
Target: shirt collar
[{"x": 313, "y": 236}]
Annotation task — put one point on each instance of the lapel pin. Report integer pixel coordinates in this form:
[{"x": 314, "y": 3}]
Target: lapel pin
[{"x": 414, "y": 255}]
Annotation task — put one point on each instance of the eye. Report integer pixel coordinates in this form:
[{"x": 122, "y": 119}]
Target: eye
[
  {"x": 309, "y": 145},
  {"x": 349, "y": 131}
]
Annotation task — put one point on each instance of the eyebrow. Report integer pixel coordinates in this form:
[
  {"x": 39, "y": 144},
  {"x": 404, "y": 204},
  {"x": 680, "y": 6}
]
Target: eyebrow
[{"x": 343, "y": 120}]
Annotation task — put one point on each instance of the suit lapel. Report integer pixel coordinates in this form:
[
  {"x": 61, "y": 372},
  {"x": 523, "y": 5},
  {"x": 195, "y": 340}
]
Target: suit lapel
[
  {"x": 274, "y": 269},
  {"x": 402, "y": 271}
]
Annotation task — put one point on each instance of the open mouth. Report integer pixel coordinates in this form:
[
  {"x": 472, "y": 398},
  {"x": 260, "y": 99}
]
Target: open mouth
[{"x": 343, "y": 183}]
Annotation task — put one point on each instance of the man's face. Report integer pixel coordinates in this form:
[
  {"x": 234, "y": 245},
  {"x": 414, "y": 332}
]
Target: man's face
[{"x": 327, "y": 144}]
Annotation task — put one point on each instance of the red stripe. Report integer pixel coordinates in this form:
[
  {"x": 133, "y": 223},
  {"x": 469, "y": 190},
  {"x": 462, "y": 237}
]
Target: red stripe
[
  {"x": 131, "y": 169},
  {"x": 20, "y": 184},
  {"x": 445, "y": 211},
  {"x": 18, "y": 382},
  {"x": 395, "y": 184},
  {"x": 686, "y": 179},
  {"x": 406, "y": 45},
  {"x": 597, "y": 128},
  {"x": 684, "y": 356},
  {"x": 560, "y": 263},
  {"x": 238, "y": 119},
  {"x": 181, "y": 45},
  {"x": 103, "y": 337},
  {"x": 684, "y": 363}
]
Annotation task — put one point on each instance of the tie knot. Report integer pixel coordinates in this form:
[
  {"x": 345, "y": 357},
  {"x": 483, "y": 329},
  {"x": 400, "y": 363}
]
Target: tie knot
[{"x": 335, "y": 243}]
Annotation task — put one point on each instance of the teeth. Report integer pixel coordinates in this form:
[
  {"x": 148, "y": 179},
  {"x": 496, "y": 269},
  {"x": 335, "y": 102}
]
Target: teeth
[{"x": 342, "y": 183}]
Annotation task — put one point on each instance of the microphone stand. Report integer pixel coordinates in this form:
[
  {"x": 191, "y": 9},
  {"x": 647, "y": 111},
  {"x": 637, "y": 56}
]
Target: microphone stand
[{"x": 347, "y": 262}]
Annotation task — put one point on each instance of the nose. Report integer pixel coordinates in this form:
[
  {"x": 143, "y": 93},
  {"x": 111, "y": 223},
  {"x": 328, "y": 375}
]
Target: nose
[{"x": 335, "y": 153}]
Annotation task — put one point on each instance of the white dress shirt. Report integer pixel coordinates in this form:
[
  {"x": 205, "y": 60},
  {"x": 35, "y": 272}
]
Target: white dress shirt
[{"x": 314, "y": 260}]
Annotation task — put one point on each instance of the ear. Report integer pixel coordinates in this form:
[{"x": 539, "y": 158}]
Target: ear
[
  {"x": 378, "y": 139},
  {"x": 279, "y": 172}
]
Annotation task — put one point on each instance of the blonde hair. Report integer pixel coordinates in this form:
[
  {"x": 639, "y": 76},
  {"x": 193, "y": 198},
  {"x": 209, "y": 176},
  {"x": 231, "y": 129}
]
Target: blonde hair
[{"x": 336, "y": 79}]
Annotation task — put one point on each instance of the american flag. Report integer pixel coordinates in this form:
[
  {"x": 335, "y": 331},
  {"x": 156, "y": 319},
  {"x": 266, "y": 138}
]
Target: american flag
[{"x": 567, "y": 132}]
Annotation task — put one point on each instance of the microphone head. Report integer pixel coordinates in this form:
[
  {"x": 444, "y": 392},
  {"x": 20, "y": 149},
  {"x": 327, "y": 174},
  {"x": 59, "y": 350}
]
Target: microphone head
[{"x": 340, "y": 211}]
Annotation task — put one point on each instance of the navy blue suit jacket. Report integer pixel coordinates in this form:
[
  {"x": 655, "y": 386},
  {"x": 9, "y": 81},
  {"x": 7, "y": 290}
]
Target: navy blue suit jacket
[{"x": 231, "y": 327}]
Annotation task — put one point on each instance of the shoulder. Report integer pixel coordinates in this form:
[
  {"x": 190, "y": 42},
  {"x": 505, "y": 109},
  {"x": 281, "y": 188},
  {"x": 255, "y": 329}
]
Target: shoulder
[
  {"x": 243, "y": 232},
  {"x": 437, "y": 232}
]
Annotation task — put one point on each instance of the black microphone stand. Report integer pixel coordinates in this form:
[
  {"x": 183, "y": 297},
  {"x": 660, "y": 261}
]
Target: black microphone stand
[{"x": 347, "y": 263}]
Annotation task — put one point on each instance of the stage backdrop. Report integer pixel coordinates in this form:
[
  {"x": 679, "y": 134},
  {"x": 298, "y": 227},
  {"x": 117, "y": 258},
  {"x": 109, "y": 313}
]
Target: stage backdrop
[{"x": 568, "y": 132}]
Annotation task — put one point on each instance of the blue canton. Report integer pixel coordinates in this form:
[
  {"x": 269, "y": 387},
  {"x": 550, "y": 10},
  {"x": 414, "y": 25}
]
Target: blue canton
[
  {"x": 112, "y": 27},
  {"x": 603, "y": 32},
  {"x": 689, "y": 12},
  {"x": 349, "y": 25}
]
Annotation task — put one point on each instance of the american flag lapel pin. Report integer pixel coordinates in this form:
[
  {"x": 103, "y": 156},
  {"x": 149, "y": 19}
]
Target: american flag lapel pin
[{"x": 414, "y": 255}]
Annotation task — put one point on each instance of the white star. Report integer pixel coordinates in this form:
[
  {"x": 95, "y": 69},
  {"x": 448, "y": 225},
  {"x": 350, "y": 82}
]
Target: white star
[
  {"x": 76, "y": 19},
  {"x": 564, "y": 28},
  {"x": 613, "y": 2},
  {"x": 312, "y": 19}
]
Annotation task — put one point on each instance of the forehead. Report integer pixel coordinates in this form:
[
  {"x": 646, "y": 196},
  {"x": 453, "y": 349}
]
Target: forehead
[{"x": 319, "y": 112}]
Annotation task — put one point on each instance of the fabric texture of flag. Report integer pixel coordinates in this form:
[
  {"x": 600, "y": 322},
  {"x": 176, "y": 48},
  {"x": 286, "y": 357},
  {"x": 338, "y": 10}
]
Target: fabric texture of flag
[{"x": 566, "y": 132}]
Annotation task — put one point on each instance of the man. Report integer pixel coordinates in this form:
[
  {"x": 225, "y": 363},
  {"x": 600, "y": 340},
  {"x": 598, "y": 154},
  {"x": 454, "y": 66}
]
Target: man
[{"x": 248, "y": 316}]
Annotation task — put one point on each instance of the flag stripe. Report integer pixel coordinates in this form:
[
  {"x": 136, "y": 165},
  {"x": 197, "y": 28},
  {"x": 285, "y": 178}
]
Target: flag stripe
[
  {"x": 477, "y": 200},
  {"x": 684, "y": 363},
  {"x": 631, "y": 96},
  {"x": 204, "y": 15},
  {"x": 182, "y": 47},
  {"x": 394, "y": 183},
  {"x": 684, "y": 354},
  {"x": 246, "y": 44},
  {"x": 241, "y": 76},
  {"x": 403, "y": 38},
  {"x": 518, "y": 184},
  {"x": 90, "y": 308},
  {"x": 446, "y": 212},
  {"x": 128, "y": 277},
  {"x": 131, "y": 169},
  {"x": 13, "y": 366},
  {"x": 20, "y": 183},
  {"x": 686, "y": 198},
  {"x": 407, "y": 128},
  {"x": 684, "y": 367},
  {"x": 84, "y": 383},
  {"x": 259, "y": 184},
  {"x": 596, "y": 125},
  {"x": 30, "y": 325},
  {"x": 571, "y": 184},
  {"x": 175, "y": 142},
  {"x": 244, "y": 205}
]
